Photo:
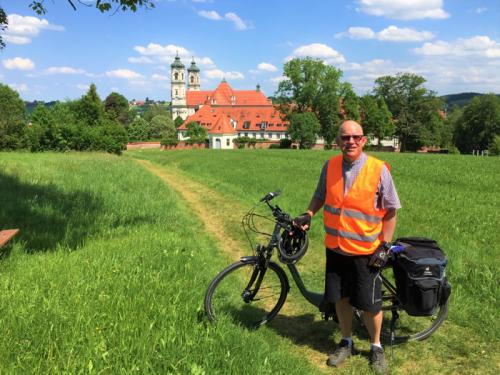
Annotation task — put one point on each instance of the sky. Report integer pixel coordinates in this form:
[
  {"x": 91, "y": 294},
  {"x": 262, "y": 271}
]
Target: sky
[{"x": 453, "y": 44}]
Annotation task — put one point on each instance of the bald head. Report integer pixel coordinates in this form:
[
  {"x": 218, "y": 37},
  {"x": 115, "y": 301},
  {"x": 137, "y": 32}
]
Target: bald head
[{"x": 350, "y": 127}]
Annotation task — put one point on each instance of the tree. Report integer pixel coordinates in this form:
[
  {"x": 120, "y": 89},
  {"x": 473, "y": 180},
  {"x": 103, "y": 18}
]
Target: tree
[
  {"x": 304, "y": 128},
  {"x": 155, "y": 110},
  {"x": 415, "y": 109},
  {"x": 178, "y": 122},
  {"x": 377, "y": 119},
  {"x": 102, "y": 5},
  {"x": 169, "y": 134},
  {"x": 479, "y": 124},
  {"x": 89, "y": 109},
  {"x": 312, "y": 86},
  {"x": 138, "y": 130},
  {"x": 12, "y": 124},
  {"x": 195, "y": 132},
  {"x": 116, "y": 108},
  {"x": 159, "y": 124}
]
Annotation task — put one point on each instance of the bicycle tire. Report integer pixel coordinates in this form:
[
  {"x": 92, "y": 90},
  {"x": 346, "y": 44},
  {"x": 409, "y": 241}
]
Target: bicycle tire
[
  {"x": 225, "y": 295},
  {"x": 413, "y": 328}
]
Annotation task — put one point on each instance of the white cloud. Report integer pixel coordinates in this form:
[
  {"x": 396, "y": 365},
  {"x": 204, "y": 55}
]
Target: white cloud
[
  {"x": 210, "y": 14},
  {"x": 124, "y": 74},
  {"x": 236, "y": 20},
  {"x": 405, "y": 34},
  {"x": 83, "y": 86},
  {"x": 480, "y": 45},
  {"x": 238, "y": 23},
  {"x": 205, "y": 62},
  {"x": 170, "y": 50},
  {"x": 18, "y": 63},
  {"x": 267, "y": 67},
  {"x": 320, "y": 51},
  {"x": 389, "y": 34},
  {"x": 19, "y": 87},
  {"x": 159, "y": 77},
  {"x": 219, "y": 74},
  {"x": 21, "y": 29},
  {"x": 404, "y": 9},
  {"x": 140, "y": 60},
  {"x": 481, "y": 10},
  {"x": 276, "y": 80},
  {"x": 64, "y": 70}
]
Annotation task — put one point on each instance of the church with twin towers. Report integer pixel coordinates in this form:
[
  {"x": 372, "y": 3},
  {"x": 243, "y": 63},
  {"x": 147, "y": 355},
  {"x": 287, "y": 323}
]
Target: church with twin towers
[{"x": 225, "y": 113}]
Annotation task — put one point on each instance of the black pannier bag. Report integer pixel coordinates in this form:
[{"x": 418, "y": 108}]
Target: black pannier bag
[{"x": 419, "y": 270}]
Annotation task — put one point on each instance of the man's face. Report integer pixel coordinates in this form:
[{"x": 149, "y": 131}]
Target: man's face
[{"x": 351, "y": 141}]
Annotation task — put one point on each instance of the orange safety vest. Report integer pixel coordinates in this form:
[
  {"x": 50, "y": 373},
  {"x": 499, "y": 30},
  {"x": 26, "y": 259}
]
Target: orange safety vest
[{"x": 351, "y": 222}]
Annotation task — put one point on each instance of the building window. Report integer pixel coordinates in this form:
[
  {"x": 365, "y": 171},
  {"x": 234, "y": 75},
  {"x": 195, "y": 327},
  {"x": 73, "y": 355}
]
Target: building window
[
  {"x": 278, "y": 124},
  {"x": 263, "y": 125},
  {"x": 176, "y": 92},
  {"x": 227, "y": 142},
  {"x": 246, "y": 135},
  {"x": 239, "y": 134},
  {"x": 176, "y": 76},
  {"x": 246, "y": 125},
  {"x": 262, "y": 135},
  {"x": 191, "y": 79},
  {"x": 270, "y": 135}
]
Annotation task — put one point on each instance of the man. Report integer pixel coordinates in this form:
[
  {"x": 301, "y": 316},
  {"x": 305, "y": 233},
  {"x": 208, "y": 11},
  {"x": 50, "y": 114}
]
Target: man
[{"x": 360, "y": 203}]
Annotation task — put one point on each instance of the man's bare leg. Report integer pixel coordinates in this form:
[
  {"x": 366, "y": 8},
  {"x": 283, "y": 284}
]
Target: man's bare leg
[
  {"x": 373, "y": 323},
  {"x": 344, "y": 313}
]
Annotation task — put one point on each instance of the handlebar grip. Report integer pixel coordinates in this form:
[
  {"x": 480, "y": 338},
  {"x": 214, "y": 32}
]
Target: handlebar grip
[{"x": 270, "y": 196}]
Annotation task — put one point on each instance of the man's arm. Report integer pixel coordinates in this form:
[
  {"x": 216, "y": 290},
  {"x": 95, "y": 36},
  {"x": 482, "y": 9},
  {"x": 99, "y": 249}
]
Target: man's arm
[{"x": 389, "y": 225}]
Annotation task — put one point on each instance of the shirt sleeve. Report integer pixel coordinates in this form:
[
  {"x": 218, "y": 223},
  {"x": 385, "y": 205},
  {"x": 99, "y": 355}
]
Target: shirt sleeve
[
  {"x": 387, "y": 196},
  {"x": 320, "y": 193}
]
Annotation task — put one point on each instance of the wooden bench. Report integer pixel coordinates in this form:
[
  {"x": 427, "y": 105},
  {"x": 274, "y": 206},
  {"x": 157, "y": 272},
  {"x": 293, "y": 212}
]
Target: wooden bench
[{"x": 6, "y": 235}]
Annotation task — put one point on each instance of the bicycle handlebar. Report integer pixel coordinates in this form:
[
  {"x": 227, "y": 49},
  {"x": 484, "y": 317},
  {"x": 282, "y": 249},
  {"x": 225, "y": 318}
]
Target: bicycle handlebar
[{"x": 269, "y": 196}]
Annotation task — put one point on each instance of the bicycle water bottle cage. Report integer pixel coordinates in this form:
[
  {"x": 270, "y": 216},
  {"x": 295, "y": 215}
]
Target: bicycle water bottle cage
[{"x": 292, "y": 245}]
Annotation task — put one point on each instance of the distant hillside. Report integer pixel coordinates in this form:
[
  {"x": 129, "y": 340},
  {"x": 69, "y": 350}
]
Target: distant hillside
[{"x": 461, "y": 99}]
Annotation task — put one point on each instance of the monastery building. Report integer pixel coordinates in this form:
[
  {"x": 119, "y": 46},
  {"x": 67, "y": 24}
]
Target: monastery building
[{"x": 225, "y": 113}]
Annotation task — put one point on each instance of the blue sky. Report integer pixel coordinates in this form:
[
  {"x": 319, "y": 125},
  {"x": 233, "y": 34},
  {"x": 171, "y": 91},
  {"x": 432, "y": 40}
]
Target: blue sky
[{"x": 454, "y": 44}]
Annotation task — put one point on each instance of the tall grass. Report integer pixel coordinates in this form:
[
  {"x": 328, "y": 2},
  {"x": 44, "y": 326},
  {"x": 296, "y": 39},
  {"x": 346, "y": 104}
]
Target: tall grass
[
  {"x": 451, "y": 198},
  {"x": 108, "y": 276}
]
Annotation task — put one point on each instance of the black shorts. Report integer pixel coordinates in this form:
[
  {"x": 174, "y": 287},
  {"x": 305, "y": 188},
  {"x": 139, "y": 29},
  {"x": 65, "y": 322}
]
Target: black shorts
[{"x": 350, "y": 276}]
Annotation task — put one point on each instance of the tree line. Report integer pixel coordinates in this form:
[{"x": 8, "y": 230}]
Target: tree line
[
  {"x": 315, "y": 102},
  {"x": 85, "y": 124}
]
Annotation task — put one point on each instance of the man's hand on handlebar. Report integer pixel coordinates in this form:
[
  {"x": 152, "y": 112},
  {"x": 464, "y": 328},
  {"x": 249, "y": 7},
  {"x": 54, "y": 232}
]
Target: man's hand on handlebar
[
  {"x": 381, "y": 255},
  {"x": 303, "y": 221}
]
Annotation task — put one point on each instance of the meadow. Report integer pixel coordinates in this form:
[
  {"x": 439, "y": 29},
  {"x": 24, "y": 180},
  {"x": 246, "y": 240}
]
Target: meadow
[
  {"x": 105, "y": 276},
  {"x": 451, "y": 198},
  {"x": 109, "y": 272}
]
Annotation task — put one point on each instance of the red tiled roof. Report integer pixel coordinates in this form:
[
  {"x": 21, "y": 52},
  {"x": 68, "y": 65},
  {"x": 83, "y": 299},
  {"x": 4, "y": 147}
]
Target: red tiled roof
[
  {"x": 225, "y": 95},
  {"x": 223, "y": 126},
  {"x": 249, "y": 108}
]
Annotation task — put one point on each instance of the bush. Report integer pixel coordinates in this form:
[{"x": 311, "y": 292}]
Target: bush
[
  {"x": 285, "y": 143},
  {"x": 494, "y": 148},
  {"x": 274, "y": 146}
]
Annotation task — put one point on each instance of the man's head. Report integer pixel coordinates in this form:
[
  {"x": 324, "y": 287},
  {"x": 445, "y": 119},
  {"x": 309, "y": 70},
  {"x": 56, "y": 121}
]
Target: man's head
[{"x": 351, "y": 140}]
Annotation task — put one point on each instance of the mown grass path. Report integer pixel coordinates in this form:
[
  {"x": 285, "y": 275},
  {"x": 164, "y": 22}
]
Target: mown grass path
[
  {"x": 202, "y": 201},
  {"x": 454, "y": 348}
]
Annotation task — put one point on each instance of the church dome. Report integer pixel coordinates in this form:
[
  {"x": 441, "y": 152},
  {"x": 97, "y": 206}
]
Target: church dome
[
  {"x": 177, "y": 63},
  {"x": 193, "y": 67}
]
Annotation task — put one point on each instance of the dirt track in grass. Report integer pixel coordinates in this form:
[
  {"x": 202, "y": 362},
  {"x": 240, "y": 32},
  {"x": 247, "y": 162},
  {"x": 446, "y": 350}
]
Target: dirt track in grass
[{"x": 311, "y": 335}]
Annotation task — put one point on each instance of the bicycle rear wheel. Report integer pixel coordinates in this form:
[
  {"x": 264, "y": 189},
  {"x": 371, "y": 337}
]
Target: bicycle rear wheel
[
  {"x": 247, "y": 294},
  {"x": 411, "y": 328}
]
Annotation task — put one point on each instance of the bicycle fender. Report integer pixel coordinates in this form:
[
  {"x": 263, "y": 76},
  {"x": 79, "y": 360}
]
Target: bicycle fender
[{"x": 248, "y": 259}]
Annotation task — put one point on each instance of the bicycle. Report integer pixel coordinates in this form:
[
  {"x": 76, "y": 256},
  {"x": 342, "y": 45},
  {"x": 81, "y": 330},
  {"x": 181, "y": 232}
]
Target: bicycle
[{"x": 252, "y": 290}]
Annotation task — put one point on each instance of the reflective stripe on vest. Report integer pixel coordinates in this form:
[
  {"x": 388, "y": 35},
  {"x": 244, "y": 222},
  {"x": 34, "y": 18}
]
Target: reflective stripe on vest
[{"x": 352, "y": 222}]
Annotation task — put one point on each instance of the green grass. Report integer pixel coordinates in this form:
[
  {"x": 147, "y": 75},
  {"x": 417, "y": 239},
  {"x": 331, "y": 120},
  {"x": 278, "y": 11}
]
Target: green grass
[
  {"x": 451, "y": 198},
  {"x": 108, "y": 276}
]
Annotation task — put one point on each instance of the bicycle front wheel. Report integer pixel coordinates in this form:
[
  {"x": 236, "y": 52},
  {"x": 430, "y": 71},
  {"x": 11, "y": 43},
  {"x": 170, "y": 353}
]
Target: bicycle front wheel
[{"x": 247, "y": 293}]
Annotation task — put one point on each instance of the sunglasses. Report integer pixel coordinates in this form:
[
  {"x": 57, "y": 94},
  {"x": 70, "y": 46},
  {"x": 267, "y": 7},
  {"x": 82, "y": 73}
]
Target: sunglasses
[{"x": 355, "y": 138}]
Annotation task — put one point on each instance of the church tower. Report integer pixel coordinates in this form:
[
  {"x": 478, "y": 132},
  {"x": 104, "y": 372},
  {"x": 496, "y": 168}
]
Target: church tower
[
  {"x": 193, "y": 77},
  {"x": 178, "y": 89}
]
